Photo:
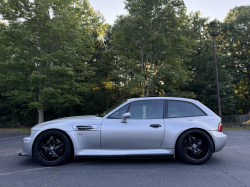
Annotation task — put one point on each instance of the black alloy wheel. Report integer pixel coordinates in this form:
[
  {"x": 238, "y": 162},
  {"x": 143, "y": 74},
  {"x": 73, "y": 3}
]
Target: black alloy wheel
[
  {"x": 52, "y": 148},
  {"x": 195, "y": 147}
]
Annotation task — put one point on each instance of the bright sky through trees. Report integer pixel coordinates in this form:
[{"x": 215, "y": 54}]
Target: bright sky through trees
[{"x": 212, "y": 8}]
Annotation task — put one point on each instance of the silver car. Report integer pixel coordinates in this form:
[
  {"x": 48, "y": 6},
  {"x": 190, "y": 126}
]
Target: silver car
[{"x": 148, "y": 126}]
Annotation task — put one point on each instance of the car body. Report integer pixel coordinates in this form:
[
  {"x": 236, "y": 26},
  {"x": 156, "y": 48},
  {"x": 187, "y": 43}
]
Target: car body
[{"x": 149, "y": 126}]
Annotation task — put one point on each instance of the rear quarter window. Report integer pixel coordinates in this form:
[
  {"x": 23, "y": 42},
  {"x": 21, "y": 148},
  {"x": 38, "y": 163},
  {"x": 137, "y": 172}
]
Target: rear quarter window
[{"x": 177, "y": 109}]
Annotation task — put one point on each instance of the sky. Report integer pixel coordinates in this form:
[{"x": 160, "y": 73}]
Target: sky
[{"x": 209, "y": 8}]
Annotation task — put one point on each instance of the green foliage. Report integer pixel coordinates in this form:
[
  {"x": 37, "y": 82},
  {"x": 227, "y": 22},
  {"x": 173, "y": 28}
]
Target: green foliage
[
  {"x": 149, "y": 47},
  {"x": 203, "y": 70},
  {"x": 60, "y": 58},
  {"x": 235, "y": 43},
  {"x": 45, "y": 56}
]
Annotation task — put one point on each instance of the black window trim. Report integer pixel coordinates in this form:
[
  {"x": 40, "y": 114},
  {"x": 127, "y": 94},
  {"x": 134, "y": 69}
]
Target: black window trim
[
  {"x": 166, "y": 108},
  {"x": 163, "y": 100}
]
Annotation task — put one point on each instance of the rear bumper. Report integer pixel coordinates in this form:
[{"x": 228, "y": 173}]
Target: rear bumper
[{"x": 220, "y": 140}]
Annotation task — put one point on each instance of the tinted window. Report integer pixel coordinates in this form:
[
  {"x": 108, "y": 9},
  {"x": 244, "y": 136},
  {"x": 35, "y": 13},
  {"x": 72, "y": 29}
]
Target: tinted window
[
  {"x": 146, "y": 109},
  {"x": 183, "y": 109},
  {"x": 118, "y": 114}
]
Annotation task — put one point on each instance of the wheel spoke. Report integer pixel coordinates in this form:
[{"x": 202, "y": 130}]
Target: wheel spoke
[
  {"x": 190, "y": 139},
  {"x": 59, "y": 145},
  {"x": 189, "y": 147},
  {"x": 199, "y": 142},
  {"x": 195, "y": 151},
  {"x": 54, "y": 153},
  {"x": 51, "y": 140},
  {"x": 195, "y": 155},
  {"x": 199, "y": 151},
  {"x": 47, "y": 154},
  {"x": 45, "y": 147},
  {"x": 192, "y": 155}
]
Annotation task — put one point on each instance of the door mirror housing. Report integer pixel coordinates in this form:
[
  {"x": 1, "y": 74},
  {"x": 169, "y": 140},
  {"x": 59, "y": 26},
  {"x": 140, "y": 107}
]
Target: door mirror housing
[{"x": 125, "y": 117}]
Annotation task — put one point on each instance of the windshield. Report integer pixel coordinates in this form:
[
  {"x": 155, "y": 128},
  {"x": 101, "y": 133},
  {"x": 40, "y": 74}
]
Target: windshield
[{"x": 110, "y": 109}]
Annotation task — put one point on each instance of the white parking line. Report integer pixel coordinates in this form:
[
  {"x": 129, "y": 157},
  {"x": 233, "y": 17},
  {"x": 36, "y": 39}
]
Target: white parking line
[
  {"x": 236, "y": 147},
  {"x": 244, "y": 132},
  {"x": 27, "y": 170},
  {"x": 13, "y": 172},
  {"x": 237, "y": 133},
  {"x": 12, "y": 137}
]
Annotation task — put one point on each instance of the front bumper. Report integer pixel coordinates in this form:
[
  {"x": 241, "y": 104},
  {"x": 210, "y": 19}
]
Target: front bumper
[
  {"x": 220, "y": 140},
  {"x": 27, "y": 147},
  {"x": 21, "y": 154}
]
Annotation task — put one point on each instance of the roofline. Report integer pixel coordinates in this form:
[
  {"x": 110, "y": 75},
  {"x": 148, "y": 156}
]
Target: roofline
[{"x": 166, "y": 98}]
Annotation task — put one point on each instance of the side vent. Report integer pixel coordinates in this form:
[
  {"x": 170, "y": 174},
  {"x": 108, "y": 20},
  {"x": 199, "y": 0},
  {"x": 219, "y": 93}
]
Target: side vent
[{"x": 82, "y": 127}]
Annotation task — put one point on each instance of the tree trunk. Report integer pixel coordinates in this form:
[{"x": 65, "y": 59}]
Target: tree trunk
[
  {"x": 151, "y": 66},
  {"x": 148, "y": 88},
  {"x": 149, "y": 80},
  {"x": 143, "y": 88},
  {"x": 151, "y": 61},
  {"x": 40, "y": 115},
  {"x": 143, "y": 81},
  {"x": 248, "y": 74}
]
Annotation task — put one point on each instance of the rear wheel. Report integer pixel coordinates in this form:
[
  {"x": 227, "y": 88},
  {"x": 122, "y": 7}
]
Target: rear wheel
[
  {"x": 195, "y": 147},
  {"x": 52, "y": 148}
]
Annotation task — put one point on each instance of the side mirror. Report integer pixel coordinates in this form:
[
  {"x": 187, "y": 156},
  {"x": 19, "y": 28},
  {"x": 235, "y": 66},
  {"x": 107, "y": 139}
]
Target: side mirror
[{"x": 125, "y": 117}]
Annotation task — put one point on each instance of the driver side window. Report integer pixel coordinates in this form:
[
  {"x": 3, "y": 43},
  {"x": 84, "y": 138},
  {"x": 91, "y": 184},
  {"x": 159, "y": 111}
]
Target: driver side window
[
  {"x": 118, "y": 114},
  {"x": 146, "y": 109}
]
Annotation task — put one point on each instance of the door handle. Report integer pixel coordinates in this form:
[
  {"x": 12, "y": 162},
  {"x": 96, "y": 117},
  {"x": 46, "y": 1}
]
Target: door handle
[{"x": 155, "y": 125}]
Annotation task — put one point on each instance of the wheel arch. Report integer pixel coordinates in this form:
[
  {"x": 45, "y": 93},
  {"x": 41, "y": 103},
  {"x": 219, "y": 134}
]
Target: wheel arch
[
  {"x": 194, "y": 129},
  {"x": 64, "y": 132}
]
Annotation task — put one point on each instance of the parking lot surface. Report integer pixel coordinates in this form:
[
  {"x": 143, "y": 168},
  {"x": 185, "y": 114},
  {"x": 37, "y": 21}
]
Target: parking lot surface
[{"x": 229, "y": 167}]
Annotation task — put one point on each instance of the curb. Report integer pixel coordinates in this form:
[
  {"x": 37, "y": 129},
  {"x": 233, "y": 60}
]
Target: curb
[{"x": 11, "y": 131}]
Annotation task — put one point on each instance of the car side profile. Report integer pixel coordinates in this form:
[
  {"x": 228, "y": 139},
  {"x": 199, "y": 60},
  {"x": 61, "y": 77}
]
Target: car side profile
[{"x": 147, "y": 126}]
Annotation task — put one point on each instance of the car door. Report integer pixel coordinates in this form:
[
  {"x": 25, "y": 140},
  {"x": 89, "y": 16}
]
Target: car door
[{"x": 143, "y": 130}]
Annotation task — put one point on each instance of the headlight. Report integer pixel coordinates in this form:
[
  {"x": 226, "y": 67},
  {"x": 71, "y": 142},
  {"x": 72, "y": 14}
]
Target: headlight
[{"x": 29, "y": 133}]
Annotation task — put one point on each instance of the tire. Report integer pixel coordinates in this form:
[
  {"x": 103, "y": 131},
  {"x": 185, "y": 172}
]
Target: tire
[
  {"x": 52, "y": 148},
  {"x": 195, "y": 147}
]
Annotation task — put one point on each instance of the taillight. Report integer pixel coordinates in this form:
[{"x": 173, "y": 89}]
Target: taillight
[{"x": 220, "y": 127}]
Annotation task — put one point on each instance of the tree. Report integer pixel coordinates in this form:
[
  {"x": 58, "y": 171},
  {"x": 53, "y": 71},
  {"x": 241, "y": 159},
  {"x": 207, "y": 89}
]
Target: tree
[
  {"x": 47, "y": 45},
  {"x": 235, "y": 43},
  {"x": 202, "y": 68},
  {"x": 147, "y": 41}
]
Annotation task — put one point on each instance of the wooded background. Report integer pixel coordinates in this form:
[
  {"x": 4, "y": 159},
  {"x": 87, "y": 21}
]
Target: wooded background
[{"x": 60, "y": 58}]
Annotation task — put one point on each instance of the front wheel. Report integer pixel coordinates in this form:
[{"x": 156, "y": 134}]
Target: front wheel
[
  {"x": 195, "y": 147},
  {"x": 52, "y": 148}
]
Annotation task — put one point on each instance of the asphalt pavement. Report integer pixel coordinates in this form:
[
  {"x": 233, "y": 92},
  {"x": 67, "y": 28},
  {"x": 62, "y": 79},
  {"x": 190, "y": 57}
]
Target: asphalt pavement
[{"x": 229, "y": 167}]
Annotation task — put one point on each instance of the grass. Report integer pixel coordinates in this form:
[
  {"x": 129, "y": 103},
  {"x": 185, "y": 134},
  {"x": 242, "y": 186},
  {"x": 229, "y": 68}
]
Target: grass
[
  {"x": 236, "y": 128},
  {"x": 15, "y": 129}
]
